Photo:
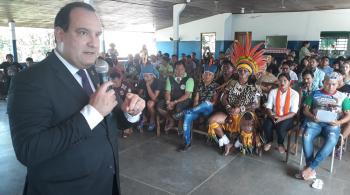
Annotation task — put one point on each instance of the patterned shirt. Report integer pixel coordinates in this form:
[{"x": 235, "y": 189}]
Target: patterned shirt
[
  {"x": 123, "y": 90},
  {"x": 320, "y": 100},
  {"x": 242, "y": 95},
  {"x": 206, "y": 93}
]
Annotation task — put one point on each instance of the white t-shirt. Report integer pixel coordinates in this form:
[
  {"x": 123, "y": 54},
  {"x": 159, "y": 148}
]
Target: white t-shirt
[
  {"x": 293, "y": 75},
  {"x": 294, "y": 101}
]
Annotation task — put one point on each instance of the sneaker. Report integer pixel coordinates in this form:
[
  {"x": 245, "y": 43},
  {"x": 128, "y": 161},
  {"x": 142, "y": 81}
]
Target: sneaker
[
  {"x": 140, "y": 126},
  {"x": 184, "y": 147},
  {"x": 267, "y": 147},
  {"x": 151, "y": 126},
  {"x": 179, "y": 115}
]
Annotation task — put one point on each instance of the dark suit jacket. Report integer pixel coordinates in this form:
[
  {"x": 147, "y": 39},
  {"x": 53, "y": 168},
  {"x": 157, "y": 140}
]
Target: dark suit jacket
[{"x": 52, "y": 138}]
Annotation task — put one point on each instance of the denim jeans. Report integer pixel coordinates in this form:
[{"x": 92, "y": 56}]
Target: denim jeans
[
  {"x": 328, "y": 132},
  {"x": 205, "y": 108}
]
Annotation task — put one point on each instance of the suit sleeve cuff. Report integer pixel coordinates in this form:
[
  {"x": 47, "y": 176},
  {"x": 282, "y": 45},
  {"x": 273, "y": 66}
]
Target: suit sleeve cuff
[
  {"x": 91, "y": 115},
  {"x": 132, "y": 119}
]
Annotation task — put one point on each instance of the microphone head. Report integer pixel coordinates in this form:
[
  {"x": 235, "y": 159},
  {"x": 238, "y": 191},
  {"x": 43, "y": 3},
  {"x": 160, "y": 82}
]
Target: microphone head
[{"x": 101, "y": 66}]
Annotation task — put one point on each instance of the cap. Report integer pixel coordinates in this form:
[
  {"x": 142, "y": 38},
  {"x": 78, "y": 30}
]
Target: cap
[{"x": 213, "y": 68}]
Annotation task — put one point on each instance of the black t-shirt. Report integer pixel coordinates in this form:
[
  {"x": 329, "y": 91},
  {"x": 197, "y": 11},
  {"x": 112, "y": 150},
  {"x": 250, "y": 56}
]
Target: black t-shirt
[
  {"x": 155, "y": 86},
  {"x": 272, "y": 68},
  {"x": 345, "y": 89}
]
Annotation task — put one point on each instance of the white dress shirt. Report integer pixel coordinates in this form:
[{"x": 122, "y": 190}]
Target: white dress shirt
[{"x": 294, "y": 101}]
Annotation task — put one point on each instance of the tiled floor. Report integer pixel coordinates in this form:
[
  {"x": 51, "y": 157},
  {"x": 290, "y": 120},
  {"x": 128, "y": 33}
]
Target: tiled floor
[{"x": 151, "y": 165}]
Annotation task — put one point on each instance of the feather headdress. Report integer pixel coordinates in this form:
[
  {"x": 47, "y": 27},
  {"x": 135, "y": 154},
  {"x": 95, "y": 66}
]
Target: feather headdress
[{"x": 250, "y": 59}]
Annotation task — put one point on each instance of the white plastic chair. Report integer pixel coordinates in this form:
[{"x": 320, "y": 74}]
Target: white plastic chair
[{"x": 333, "y": 153}]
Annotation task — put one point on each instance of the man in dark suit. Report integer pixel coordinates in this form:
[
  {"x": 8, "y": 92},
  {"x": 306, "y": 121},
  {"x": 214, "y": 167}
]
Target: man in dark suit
[{"x": 60, "y": 120}]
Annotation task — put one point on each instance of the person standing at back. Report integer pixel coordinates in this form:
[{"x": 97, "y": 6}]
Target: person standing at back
[{"x": 60, "y": 118}]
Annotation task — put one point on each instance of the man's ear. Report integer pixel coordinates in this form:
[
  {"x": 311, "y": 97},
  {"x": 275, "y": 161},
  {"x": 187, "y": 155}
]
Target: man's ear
[{"x": 58, "y": 32}]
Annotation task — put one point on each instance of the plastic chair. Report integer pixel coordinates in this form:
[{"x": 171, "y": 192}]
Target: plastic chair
[{"x": 333, "y": 154}]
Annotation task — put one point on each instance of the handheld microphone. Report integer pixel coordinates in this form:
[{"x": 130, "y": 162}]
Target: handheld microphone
[{"x": 102, "y": 68}]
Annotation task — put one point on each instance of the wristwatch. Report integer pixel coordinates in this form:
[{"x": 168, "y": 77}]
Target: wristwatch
[
  {"x": 242, "y": 108},
  {"x": 228, "y": 107}
]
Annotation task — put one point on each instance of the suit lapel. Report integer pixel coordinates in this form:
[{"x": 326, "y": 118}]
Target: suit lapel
[{"x": 67, "y": 79}]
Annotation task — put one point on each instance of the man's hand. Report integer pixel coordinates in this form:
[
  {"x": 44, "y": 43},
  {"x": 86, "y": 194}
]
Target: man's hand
[
  {"x": 335, "y": 123},
  {"x": 234, "y": 111},
  {"x": 133, "y": 104},
  {"x": 103, "y": 100},
  {"x": 315, "y": 119},
  {"x": 277, "y": 119}
]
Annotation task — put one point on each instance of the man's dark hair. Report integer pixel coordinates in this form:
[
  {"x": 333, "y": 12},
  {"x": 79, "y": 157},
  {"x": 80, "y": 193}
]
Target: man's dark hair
[
  {"x": 324, "y": 57},
  {"x": 29, "y": 59},
  {"x": 165, "y": 58},
  {"x": 180, "y": 63},
  {"x": 114, "y": 75},
  {"x": 9, "y": 56},
  {"x": 288, "y": 63},
  {"x": 314, "y": 58},
  {"x": 166, "y": 54},
  {"x": 306, "y": 72},
  {"x": 305, "y": 43},
  {"x": 173, "y": 55},
  {"x": 62, "y": 17},
  {"x": 194, "y": 53},
  {"x": 248, "y": 116},
  {"x": 284, "y": 75},
  {"x": 227, "y": 62}
]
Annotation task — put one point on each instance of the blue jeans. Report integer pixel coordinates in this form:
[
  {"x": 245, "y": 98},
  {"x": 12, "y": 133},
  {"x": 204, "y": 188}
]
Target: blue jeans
[
  {"x": 205, "y": 108},
  {"x": 329, "y": 133}
]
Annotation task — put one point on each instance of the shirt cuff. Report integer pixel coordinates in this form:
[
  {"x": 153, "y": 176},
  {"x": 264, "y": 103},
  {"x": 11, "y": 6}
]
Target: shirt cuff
[
  {"x": 132, "y": 119},
  {"x": 91, "y": 115}
]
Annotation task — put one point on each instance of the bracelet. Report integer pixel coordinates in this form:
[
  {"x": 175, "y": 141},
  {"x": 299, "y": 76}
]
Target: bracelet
[
  {"x": 242, "y": 108},
  {"x": 228, "y": 106}
]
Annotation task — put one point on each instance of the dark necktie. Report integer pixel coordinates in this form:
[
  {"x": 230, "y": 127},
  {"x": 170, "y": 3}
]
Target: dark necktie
[{"x": 85, "y": 82}]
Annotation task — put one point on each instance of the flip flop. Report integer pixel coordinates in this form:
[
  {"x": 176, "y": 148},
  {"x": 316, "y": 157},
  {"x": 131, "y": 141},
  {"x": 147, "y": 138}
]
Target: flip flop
[
  {"x": 300, "y": 176},
  {"x": 317, "y": 184},
  {"x": 312, "y": 177}
]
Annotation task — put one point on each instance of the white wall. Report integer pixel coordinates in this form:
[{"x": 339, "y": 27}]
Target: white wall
[
  {"x": 191, "y": 31},
  {"x": 297, "y": 25}
]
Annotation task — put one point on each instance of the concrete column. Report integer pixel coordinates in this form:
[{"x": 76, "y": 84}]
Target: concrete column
[
  {"x": 177, "y": 9},
  {"x": 12, "y": 26}
]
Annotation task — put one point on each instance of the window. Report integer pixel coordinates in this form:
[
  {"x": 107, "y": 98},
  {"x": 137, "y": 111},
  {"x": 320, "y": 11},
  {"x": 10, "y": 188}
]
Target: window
[
  {"x": 208, "y": 43},
  {"x": 334, "y": 41}
]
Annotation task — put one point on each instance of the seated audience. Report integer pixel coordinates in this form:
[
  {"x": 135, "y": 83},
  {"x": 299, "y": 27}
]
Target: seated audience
[
  {"x": 346, "y": 72},
  {"x": 335, "y": 104},
  {"x": 178, "y": 94},
  {"x": 239, "y": 96},
  {"x": 318, "y": 74},
  {"x": 204, "y": 101},
  {"x": 282, "y": 105},
  {"x": 324, "y": 65},
  {"x": 121, "y": 88},
  {"x": 286, "y": 69},
  {"x": 149, "y": 90}
]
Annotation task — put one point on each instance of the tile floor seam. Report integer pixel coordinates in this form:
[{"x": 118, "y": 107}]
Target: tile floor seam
[
  {"x": 149, "y": 185},
  {"x": 137, "y": 145},
  {"x": 211, "y": 175}
]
